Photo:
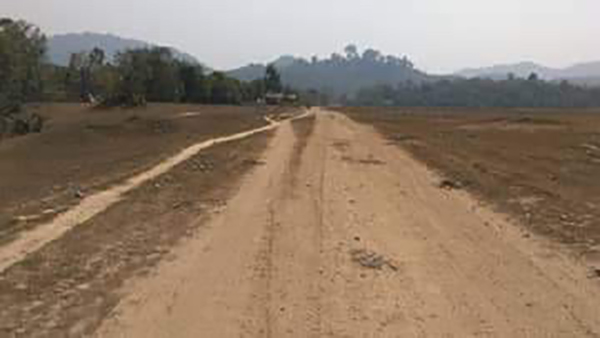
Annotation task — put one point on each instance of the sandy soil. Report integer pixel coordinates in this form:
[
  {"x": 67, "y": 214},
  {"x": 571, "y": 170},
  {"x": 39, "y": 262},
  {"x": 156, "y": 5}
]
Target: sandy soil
[
  {"x": 341, "y": 234},
  {"x": 541, "y": 166}
]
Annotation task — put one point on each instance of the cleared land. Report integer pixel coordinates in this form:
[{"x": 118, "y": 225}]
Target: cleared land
[
  {"x": 541, "y": 166},
  {"x": 39, "y": 295},
  {"x": 356, "y": 239},
  {"x": 84, "y": 150},
  {"x": 322, "y": 228}
]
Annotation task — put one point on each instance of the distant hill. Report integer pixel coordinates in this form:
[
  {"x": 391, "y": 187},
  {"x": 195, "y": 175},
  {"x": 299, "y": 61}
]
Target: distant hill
[
  {"x": 523, "y": 69},
  {"x": 339, "y": 74},
  {"x": 250, "y": 72},
  {"x": 591, "y": 81},
  {"x": 60, "y": 47},
  {"x": 581, "y": 73}
]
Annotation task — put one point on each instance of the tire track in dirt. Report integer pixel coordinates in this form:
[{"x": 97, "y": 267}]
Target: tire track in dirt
[
  {"x": 296, "y": 301},
  {"x": 291, "y": 247}
]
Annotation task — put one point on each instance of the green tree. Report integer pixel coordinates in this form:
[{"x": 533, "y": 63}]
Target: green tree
[
  {"x": 147, "y": 74},
  {"x": 273, "y": 79},
  {"x": 85, "y": 75},
  {"x": 224, "y": 90},
  {"x": 162, "y": 82},
  {"x": 76, "y": 79},
  {"x": 351, "y": 52},
  {"x": 253, "y": 90},
  {"x": 133, "y": 74},
  {"x": 533, "y": 77},
  {"x": 194, "y": 84},
  {"x": 22, "y": 48}
]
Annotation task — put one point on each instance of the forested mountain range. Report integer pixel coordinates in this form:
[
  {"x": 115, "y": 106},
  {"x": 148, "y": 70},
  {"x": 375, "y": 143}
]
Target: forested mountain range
[
  {"x": 580, "y": 73},
  {"x": 340, "y": 74},
  {"x": 142, "y": 73}
]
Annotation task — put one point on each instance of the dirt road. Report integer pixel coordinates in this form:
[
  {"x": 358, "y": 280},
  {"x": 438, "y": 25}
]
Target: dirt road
[{"x": 340, "y": 234}]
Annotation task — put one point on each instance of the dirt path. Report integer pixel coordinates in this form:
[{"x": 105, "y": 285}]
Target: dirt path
[
  {"x": 92, "y": 205},
  {"x": 356, "y": 240}
]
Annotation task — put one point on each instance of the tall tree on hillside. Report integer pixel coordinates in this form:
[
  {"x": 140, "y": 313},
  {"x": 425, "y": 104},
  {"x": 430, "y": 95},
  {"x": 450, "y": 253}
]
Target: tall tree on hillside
[
  {"x": 273, "y": 80},
  {"x": 22, "y": 48},
  {"x": 351, "y": 52},
  {"x": 533, "y": 77},
  {"x": 372, "y": 55}
]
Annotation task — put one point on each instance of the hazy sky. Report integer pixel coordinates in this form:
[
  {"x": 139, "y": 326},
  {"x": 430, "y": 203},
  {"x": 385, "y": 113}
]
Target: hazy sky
[{"x": 438, "y": 35}]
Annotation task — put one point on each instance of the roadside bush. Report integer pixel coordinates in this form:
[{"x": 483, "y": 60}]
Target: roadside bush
[
  {"x": 122, "y": 100},
  {"x": 3, "y": 127},
  {"x": 21, "y": 124}
]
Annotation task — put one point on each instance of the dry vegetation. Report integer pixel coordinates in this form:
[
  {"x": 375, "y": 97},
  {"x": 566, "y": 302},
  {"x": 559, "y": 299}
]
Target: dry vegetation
[
  {"x": 71, "y": 284},
  {"x": 542, "y": 166},
  {"x": 83, "y": 150}
]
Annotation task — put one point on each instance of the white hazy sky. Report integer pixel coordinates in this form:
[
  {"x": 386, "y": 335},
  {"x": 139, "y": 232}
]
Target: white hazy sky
[{"x": 438, "y": 35}]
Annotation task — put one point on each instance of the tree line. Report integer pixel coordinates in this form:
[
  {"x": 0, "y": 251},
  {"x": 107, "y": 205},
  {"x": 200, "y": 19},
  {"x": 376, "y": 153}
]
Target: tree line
[
  {"x": 148, "y": 74},
  {"x": 22, "y": 48},
  {"x": 132, "y": 78},
  {"x": 513, "y": 92}
]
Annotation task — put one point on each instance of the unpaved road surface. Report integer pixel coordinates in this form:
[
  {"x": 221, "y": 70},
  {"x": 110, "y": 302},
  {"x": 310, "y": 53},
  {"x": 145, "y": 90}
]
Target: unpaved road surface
[{"x": 341, "y": 234}]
